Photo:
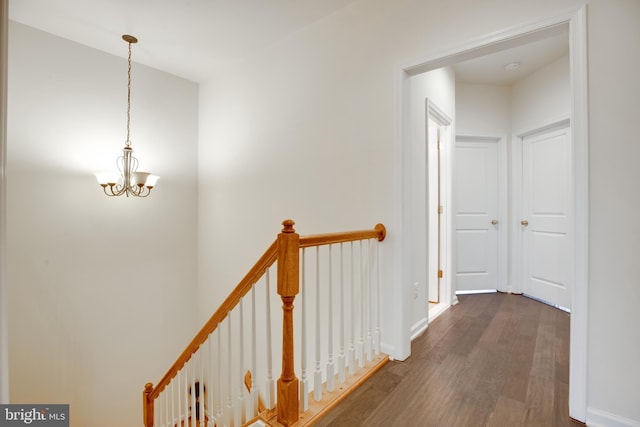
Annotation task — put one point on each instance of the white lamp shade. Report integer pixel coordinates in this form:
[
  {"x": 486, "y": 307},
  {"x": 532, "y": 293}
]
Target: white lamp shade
[
  {"x": 105, "y": 178},
  {"x": 139, "y": 178},
  {"x": 151, "y": 180}
]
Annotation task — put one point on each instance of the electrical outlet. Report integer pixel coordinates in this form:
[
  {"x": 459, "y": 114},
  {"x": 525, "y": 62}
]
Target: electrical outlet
[{"x": 416, "y": 286}]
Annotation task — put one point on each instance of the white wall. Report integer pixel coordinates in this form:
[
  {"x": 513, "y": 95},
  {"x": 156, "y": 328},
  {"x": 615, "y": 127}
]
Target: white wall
[
  {"x": 308, "y": 129},
  {"x": 483, "y": 109},
  {"x": 542, "y": 98},
  {"x": 614, "y": 336},
  {"x": 438, "y": 86},
  {"x": 4, "y": 305},
  {"x": 102, "y": 290}
]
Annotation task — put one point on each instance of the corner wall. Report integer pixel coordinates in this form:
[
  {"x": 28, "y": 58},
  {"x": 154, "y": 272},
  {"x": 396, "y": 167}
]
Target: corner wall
[
  {"x": 101, "y": 290},
  {"x": 4, "y": 306}
]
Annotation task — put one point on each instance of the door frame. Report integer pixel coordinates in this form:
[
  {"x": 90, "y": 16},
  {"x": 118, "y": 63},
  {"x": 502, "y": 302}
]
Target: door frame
[
  {"x": 576, "y": 20},
  {"x": 503, "y": 198},
  {"x": 443, "y": 175}
]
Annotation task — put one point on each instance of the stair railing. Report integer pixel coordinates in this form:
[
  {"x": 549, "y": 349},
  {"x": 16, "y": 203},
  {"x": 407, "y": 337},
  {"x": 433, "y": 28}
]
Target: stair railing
[{"x": 217, "y": 382}]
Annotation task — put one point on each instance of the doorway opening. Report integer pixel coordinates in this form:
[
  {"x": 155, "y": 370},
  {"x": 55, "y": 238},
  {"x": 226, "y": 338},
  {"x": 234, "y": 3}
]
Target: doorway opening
[
  {"x": 438, "y": 135},
  {"x": 575, "y": 23}
]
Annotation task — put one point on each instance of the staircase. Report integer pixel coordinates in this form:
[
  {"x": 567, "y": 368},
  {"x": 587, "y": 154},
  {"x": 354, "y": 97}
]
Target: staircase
[{"x": 322, "y": 350}]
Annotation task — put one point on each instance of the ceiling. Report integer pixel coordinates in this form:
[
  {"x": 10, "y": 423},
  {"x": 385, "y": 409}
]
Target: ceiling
[
  {"x": 189, "y": 38},
  {"x": 491, "y": 69},
  {"x": 195, "y": 39}
]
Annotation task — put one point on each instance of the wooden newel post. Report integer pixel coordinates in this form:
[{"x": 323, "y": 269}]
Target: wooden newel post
[
  {"x": 288, "y": 287},
  {"x": 147, "y": 404}
]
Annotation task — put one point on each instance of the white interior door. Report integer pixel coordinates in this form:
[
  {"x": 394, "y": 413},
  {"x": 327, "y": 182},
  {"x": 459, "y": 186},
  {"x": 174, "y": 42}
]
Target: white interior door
[
  {"x": 546, "y": 217},
  {"x": 476, "y": 189}
]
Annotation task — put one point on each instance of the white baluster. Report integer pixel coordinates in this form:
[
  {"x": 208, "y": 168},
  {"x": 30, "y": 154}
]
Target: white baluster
[
  {"x": 210, "y": 378},
  {"x": 179, "y": 386},
  {"x": 376, "y": 334},
  {"x": 173, "y": 402},
  {"x": 229, "y": 421},
  {"x": 341, "y": 356},
  {"x": 253, "y": 394},
  {"x": 239, "y": 411},
  {"x": 361, "y": 302},
  {"x": 330, "y": 365},
  {"x": 158, "y": 409},
  {"x": 220, "y": 385},
  {"x": 202, "y": 397},
  {"x": 187, "y": 380},
  {"x": 195, "y": 368},
  {"x": 304, "y": 380},
  {"x": 368, "y": 343},
  {"x": 271, "y": 388},
  {"x": 167, "y": 407},
  {"x": 317, "y": 378},
  {"x": 351, "y": 353},
  {"x": 185, "y": 395},
  {"x": 192, "y": 389}
]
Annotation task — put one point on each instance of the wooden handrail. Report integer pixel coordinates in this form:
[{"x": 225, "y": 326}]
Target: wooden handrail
[
  {"x": 265, "y": 261},
  {"x": 379, "y": 232},
  {"x": 284, "y": 249}
]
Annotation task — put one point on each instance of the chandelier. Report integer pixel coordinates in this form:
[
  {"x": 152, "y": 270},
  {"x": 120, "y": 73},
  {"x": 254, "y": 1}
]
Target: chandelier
[{"x": 128, "y": 180}]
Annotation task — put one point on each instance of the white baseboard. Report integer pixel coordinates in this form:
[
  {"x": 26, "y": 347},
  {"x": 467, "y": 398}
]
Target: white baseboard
[
  {"x": 478, "y": 291},
  {"x": 436, "y": 311},
  {"x": 387, "y": 349},
  {"x": 419, "y": 327},
  {"x": 598, "y": 418}
]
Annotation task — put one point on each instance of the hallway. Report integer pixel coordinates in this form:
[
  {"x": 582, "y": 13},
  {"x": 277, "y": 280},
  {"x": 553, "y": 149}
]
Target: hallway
[{"x": 492, "y": 360}]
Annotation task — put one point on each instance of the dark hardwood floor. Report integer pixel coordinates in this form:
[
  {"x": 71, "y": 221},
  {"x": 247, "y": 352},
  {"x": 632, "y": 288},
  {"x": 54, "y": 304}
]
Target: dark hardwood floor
[{"x": 492, "y": 360}]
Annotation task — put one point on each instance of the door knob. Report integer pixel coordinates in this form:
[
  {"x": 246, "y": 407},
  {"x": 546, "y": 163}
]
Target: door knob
[
  {"x": 494, "y": 222},
  {"x": 524, "y": 222}
]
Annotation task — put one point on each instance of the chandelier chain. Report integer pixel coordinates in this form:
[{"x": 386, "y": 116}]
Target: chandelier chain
[{"x": 128, "y": 142}]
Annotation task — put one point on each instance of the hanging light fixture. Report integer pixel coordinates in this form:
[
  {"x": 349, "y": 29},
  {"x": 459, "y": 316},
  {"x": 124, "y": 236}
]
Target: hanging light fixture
[{"x": 128, "y": 180}]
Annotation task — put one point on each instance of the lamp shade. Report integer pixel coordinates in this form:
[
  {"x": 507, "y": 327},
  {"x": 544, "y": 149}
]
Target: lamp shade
[
  {"x": 151, "y": 180},
  {"x": 107, "y": 178},
  {"x": 139, "y": 178}
]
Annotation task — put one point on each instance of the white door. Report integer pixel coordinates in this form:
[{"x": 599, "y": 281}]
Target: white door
[
  {"x": 476, "y": 214},
  {"x": 546, "y": 217}
]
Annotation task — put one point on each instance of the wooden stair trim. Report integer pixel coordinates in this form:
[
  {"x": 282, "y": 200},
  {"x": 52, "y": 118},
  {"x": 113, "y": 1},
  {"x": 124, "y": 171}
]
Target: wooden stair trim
[{"x": 318, "y": 409}]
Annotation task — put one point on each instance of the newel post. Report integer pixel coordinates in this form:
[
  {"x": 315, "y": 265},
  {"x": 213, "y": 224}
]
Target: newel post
[
  {"x": 288, "y": 286},
  {"x": 147, "y": 404}
]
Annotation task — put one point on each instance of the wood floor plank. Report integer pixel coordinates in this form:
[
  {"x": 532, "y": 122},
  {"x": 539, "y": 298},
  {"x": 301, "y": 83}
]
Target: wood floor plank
[
  {"x": 507, "y": 412},
  {"x": 492, "y": 360}
]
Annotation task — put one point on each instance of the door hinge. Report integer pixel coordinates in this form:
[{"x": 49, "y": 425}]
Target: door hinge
[
  {"x": 440, "y": 274},
  {"x": 440, "y": 209}
]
